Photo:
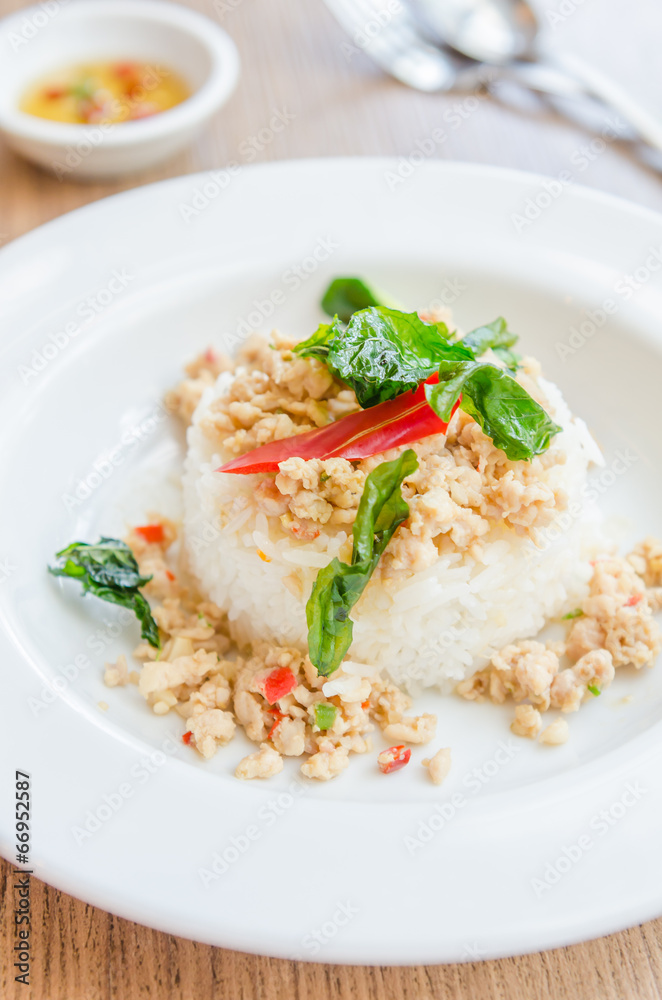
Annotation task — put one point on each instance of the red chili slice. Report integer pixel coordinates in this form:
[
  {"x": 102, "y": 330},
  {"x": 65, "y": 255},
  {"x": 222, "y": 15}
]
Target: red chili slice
[
  {"x": 278, "y": 718},
  {"x": 277, "y": 684},
  {"x": 393, "y": 759},
  {"x": 126, "y": 69},
  {"x": 152, "y": 533},
  {"x": 631, "y": 601},
  {"x": 368, "y": 432},
  {"x": 187, "y": 737}
]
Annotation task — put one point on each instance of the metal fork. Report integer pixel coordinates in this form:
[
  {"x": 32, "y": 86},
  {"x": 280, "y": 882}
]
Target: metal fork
[{"x": 396, "y": 41}]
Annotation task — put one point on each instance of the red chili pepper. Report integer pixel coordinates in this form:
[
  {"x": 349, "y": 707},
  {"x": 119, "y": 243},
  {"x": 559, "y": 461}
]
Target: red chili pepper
[
  {"x": 393, "y": 759},
  {"x": 171, "y": 576},
  {"x": 152, "y": 533},
  {"x": 187, "y": 737},
  {"x": 365, "y": 704},
  {"x": 126, "y": 69},
  {"x": 53, "y": 93},
  {"x": 631, "y": 601},
  {"x": 307, "y": 533},
  {"x": 277, "y": 684},
  {"x": 396, "y": 422},
  {"x": 278, "y": 718}
]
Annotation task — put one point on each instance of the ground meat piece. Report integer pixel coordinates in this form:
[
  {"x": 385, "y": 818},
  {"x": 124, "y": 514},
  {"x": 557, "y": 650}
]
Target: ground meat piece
[
  {"x": 116, "y": 674},
  {"x": 407, "y": 553},
  {"x": 344, "y": 484},
  {"x": 183, "y": 400},
  {"x": 356, "y": 743},
  {"x": 290, "y": 737},
  {"x": 435, "y": 512},
  {"x": 555, "y": 734},
  {"x": 646, "y": 560},
  {"x": 439, "y": 765},
  {"x": 210, "y": 361},
  {"x": 317, "y": 379},
  {"x": 586, "y": 634},
  {"x": 617, "y": 617},
  {"x": 305, "y": 697},
  {"x": 214, "y": 693},
  {"x": 296, "y": 474},
  {"x": 264, "y": 763},
  {"x": 567, "y": 691},
  {"x": 269, "y": 500},
  {"x": 250, "y": 714},
  {"x": 524, "y": 670},
  {"x": 212, "y": 729},
  {"x": 390, "y": 704},
  {"x": 521, "y": 503},
  {"x": 169, "y": 615},
  {"x": 527, "y": 722},
  {"x": 475, "y": 688},
  {"x": 306, "y": 504},
  {"x": 654, "y": 595},
  {"x": 161, "y": 675},
  {"x": 633, "y": 636},
  {"x": 416, "y": 729},
  {"x": 326, "y": 764},
  {"x": 596, "y": 668}
]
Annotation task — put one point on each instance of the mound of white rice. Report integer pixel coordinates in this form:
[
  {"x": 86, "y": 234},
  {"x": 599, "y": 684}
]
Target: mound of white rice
[{"x": 431, "y": 629}]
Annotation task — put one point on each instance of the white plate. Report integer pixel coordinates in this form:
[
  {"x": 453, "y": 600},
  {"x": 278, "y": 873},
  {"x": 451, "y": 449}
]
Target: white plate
[{"x": 314, "y": 871}]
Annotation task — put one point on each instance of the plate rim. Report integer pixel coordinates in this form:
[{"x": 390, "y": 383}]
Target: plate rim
[{"x": 24, "y": 244}]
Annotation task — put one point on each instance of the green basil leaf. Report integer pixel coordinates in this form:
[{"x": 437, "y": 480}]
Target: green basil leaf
[
  {"x": 385, "y": 352},
  {"x": 109, "y": 571},
  {"x": 317, "y": 346},
  {"x": 496, "y": 336},
  {"x": 345, "y": 296},
  {"x": 339, "y": 585},
  {"x": 505, "y": 411}
]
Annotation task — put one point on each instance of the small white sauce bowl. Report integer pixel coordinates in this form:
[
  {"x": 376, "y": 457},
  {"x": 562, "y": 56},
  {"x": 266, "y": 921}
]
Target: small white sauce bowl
[{"x": 59, "y": 33}]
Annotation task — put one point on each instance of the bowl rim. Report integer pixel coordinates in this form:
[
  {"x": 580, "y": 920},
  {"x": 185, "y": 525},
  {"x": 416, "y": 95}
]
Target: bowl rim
[{"x": 204, "y": 102}]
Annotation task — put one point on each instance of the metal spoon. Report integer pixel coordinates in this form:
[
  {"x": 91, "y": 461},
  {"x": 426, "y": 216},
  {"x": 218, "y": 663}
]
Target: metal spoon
[
  {"x": 506, "y": 32},
  {"x": 395, "y": 41}
]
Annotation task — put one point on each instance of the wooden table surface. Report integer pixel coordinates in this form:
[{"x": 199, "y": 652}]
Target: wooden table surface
[{"x": 294, "y": 60}]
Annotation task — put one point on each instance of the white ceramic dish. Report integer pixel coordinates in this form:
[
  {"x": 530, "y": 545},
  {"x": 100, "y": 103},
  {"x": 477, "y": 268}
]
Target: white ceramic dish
[
  {"x": 48, "y": 37},
  {"x": 512, "y": 854}
]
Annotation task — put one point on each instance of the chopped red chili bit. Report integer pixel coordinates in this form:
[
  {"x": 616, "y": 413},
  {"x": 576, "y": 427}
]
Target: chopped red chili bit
[
  {"x": 171, "y": 576},
  {"x": 278, "y": 718},
  {"x": 308, "y": 534},
  {"x": 126, "y": 69},
  {"x": 53, "y": 93},
  {"x": 631, "y": 601},
  {"x": 365, "y": 704},
  {"x": 152, "y": 533},
  {"x": 187, "y": 737},
  {"x": 277, "y": 684},
  {"x": 393, "y": 759},
  {"x": 359, "y": 435}
]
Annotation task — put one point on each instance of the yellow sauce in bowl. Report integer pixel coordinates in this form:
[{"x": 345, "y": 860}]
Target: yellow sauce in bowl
[{"x": 105, "y": 93}]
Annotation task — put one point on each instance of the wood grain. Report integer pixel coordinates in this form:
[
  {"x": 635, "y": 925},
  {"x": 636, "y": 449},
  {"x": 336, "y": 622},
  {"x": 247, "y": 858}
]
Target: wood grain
[{"x": 293, "y": 59}]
